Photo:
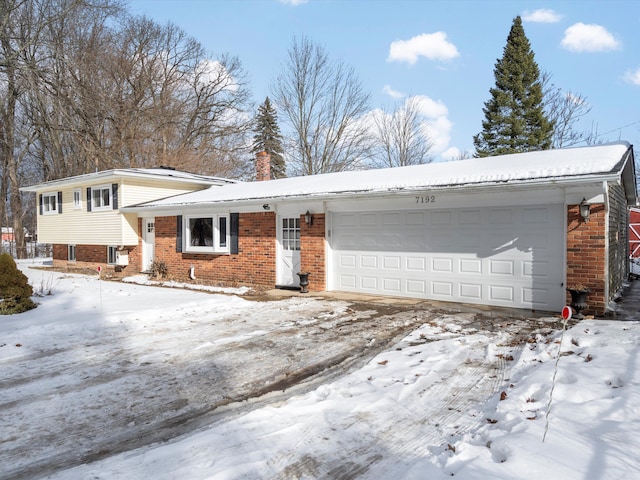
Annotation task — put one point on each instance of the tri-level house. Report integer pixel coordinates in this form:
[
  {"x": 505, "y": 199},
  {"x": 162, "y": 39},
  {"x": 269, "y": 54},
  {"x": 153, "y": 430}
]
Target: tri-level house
[
  {"x": 81, "y": 216},
  {"x": 512, "y": 230}
]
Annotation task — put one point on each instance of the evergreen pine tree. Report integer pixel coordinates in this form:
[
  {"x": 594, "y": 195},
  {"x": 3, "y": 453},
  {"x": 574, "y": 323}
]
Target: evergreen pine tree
[
  {"x": 15, "y": 291},
  {"x": 514, "y": 115},
  {"x": 268, "y": 139}
]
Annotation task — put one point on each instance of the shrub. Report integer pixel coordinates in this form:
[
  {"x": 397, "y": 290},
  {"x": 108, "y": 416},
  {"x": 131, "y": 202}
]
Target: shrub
[
  {"x": 15, "y": 291},
  {"x": 159, "y": 269}
]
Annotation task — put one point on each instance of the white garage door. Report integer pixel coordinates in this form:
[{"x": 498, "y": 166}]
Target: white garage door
[{"x": 504, "y": 256}]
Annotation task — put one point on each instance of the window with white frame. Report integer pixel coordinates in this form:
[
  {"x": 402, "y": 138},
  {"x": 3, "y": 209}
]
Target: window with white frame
[
  {"x": 101, "y": 198},
  {"x": 49, "y": 203},
  {"x": 71, "y": 253},
  {"x": 77, "y": 198},
  {"x": 206, "y": 234},
  {"x": 111, "y": 254}
]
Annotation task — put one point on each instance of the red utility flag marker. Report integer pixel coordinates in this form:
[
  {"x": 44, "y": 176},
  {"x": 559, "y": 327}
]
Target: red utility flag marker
[
  {"x": 99, "y": 268},
  {"x": 566, "y": 313}
]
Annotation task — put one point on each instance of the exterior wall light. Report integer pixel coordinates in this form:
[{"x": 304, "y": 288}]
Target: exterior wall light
[
  {"x": 585, "y": 210},
  {"x": 308, "y": 218},
  {"x": 266, "y": 206}
]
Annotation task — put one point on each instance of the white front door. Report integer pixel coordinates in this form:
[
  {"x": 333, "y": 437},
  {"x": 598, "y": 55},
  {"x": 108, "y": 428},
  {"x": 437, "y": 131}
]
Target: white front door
[
  {"x": 289, "y": 250},
  {"x": 148, "y": 243}
]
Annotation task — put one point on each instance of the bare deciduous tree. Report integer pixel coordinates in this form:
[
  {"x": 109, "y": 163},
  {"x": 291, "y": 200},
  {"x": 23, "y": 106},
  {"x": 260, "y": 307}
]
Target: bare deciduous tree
[
  {"x": 85, "y": 87},
  {"x": 564, "y": 109},
  {"x": 402, "y": 136},
  {"x": 323, "y": 103}
]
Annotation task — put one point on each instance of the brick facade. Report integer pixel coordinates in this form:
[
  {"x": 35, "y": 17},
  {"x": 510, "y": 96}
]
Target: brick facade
[
  {"x": 254, "y": 264},
  {"x": 92, "y": 256},
  {"x": 590, "y": 261},
  {"x": 586, "y": 260}
]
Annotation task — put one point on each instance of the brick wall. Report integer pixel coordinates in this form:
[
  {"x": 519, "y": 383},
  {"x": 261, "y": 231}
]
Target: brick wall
[
  {"x": 312, "y": 252},
  {"x": 255, "y": 264},
  {"x": 92, "y": 256},
  {"x": 586, "y": 259}
]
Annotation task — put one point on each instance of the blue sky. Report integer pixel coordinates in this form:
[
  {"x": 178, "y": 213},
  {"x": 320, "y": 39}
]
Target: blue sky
[{"x": 442, "y": 51}]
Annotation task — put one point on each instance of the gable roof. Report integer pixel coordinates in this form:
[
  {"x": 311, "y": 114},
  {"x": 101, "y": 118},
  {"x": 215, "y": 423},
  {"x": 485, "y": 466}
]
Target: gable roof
[
  {"x": 160, "y": 173},
  {"x": 603, "y": 162}
]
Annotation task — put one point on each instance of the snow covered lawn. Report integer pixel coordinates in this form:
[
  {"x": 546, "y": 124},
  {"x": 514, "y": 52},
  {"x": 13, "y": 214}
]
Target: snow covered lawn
[{"x": 123, "y": 381}]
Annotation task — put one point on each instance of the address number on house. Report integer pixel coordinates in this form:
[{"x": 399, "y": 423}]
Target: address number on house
[{"x": 426, "y": 199}]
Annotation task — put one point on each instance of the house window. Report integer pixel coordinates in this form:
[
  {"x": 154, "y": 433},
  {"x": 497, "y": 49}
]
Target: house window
[
  {"x": 101, "y": 198},
  {"x": 77, "y": 198},
  {"x": 207, "y": 234},
  {"x": 111, "y": 254},
  {"x": 71, "y": 254},
  {"x": 49, "y": 203},
  {"x": 291, "y": 233}
]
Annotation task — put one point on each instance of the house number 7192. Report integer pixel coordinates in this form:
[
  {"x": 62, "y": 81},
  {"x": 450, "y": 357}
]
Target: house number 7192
[{"x": 426, "y": 199}]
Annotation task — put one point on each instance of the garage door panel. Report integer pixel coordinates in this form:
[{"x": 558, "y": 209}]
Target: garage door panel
[
  {"x": 470, "y": 291},
  {"x": 369, "y": 283},
  {"x": 507, "y": 256},
  {"x": 369, "y": 261},
  {"x": 470, "y": 266},
  {"x": 501, "y": 293},
  {"x": 502, "y": 267},
  {"x": 391, "y": 262}
]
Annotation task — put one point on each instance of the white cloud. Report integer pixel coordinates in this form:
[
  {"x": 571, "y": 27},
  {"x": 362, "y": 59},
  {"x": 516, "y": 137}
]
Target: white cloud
[
  {"x": 451, "y": 153},
  {"x": 542, "y": 15},
  {"x": 633, "y": 76},
  {"x": 293, "y": 3},
  {"x": 436, "y": 123},
  {"x": 433, "y": 46},
  {"x": 391, "y": 92},
  {"x": 589, "y": 38}
]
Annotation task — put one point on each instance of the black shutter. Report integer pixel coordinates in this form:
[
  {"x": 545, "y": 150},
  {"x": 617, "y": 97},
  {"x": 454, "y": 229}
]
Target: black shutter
[
  {"x": 88, "y": 199},
  {"x": 179, "y": 233},
  {"x": 114, "y": 194},
  {"x": 40, "y": 200},
  {"x": 234, "y": 220},
  {"x": 59, "y": 202}
]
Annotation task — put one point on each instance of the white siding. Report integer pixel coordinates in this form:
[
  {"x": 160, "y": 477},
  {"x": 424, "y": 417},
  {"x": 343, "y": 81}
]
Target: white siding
[{"x": 110, "y": 227}]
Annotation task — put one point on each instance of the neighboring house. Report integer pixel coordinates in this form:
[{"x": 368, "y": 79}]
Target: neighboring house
[
  {"x": 634, "y": 240},
  {"x": 504, "y": 231},
  {"x": 81, "y": 215},
  {"x": 634, "y": 233},
  {"x": 7, "y": 234}
]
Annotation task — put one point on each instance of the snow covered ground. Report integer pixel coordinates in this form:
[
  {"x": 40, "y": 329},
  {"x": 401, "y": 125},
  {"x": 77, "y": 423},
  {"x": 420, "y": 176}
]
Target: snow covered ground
[{"x": 99, "y": 368}]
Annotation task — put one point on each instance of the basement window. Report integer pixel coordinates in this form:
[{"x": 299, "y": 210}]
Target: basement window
[
  {"x": 206, "y": 234},
  {"x": 111, "y": 254}
]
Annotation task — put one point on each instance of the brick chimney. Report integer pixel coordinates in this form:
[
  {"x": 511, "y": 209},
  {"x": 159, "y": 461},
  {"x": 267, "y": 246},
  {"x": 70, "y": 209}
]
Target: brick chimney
[{"x": 263, "y": 166}]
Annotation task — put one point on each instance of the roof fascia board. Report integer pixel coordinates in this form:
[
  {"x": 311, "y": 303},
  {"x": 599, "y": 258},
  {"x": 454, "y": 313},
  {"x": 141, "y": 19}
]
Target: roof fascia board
[
  {"x": 511, "y": 185},
  {"x": 106, "y": 175}
]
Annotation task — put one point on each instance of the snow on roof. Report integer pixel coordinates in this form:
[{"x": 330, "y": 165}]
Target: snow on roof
[
  {"x": 528, "y": 167},
  {"x": 157, "y": 173}
]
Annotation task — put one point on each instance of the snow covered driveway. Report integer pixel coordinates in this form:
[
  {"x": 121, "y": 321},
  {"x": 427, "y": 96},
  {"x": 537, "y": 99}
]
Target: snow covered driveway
[{"x": 101, "y": 368}]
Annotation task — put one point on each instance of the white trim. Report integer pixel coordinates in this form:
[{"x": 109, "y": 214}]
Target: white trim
[
  {"x": 111, "y": 249},
  {"x": 46, "y": 206},
  {"x": 221, "y": 241},
  {"x": 103, "y": 207},
  {"x": 77, "y": 198}
]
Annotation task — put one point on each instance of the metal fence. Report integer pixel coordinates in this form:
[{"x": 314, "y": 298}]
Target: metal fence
[{"x": 34, "y": 250}]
